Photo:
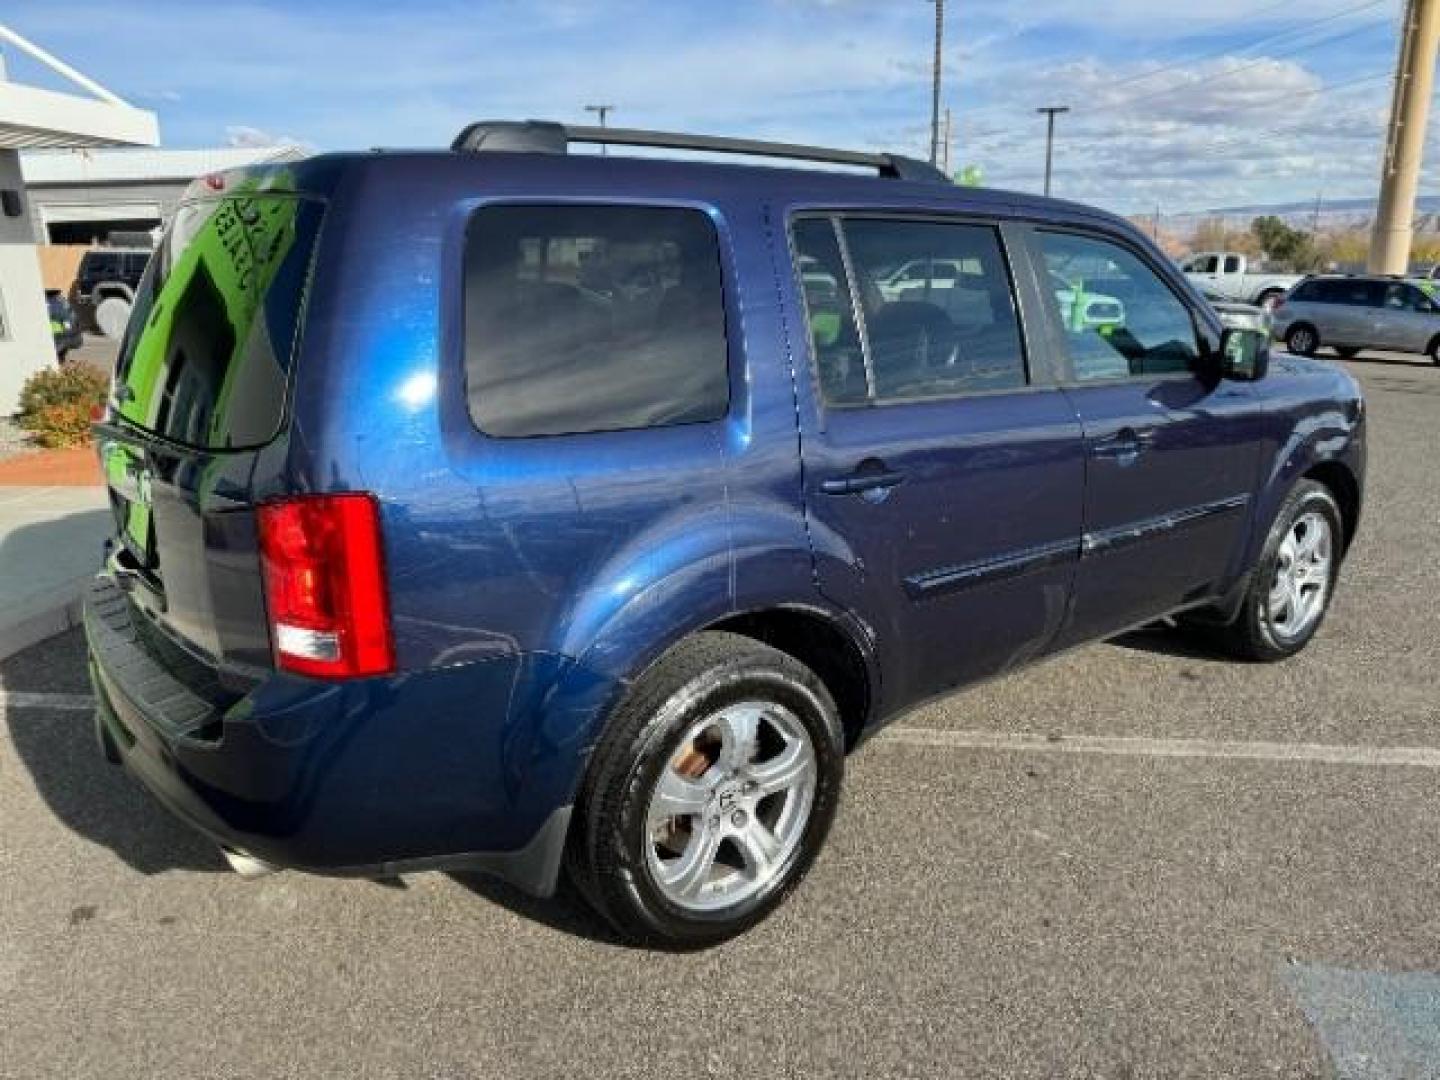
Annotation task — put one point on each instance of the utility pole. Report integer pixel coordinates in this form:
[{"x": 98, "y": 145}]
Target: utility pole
[
  {"x": 935, "y": 84},
  {"x": 1155, "y": 226},
  {"x": 1050, "y": 112},
  {"x": 1405, "y": 142},
  {"x": 602, "y": 111},
  {"x": 1315, "y": 215},
  {"x": 945, "y": 157}
]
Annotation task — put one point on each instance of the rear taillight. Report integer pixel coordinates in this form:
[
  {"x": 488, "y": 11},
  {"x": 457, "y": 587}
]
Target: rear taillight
[{"x": 325, "y": 585}]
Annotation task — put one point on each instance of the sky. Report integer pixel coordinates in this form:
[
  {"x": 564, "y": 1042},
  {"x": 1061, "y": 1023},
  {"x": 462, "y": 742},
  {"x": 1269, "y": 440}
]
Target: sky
[{"x": 1177, "y": 106}]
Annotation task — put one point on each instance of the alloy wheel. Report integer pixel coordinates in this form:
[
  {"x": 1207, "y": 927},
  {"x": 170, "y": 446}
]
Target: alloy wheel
[
  {"x": 1301, "y": 584},
  {"x": 730, "y": 806}
]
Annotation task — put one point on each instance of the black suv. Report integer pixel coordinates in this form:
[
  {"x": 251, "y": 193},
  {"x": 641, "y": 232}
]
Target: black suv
[{"x": 105, "y": 286}]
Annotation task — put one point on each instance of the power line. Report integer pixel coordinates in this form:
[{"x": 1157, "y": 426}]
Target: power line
[
  {"x": 1304, "y": 46},
  {"x": 1113, "y": 130},
  {"x": 1301, "y": 31},
  {"x": 1258, "y": 62}
]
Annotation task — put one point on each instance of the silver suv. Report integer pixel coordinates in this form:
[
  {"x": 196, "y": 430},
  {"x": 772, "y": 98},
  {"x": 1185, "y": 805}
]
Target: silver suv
[{"x": 1354, "y": 313}]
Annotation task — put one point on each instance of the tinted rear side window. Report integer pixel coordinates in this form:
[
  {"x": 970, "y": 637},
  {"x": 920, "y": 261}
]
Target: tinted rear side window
[
  {"x": 593, "y": 318},
  {"x": 1355, "y": 293},
  {"x": 940, "y": 316},
  {"x": 206, "y": 357}
]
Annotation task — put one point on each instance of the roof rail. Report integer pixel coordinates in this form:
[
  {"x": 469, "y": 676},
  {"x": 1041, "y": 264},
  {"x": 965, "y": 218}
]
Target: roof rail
[{"x": 549, "y": 137}]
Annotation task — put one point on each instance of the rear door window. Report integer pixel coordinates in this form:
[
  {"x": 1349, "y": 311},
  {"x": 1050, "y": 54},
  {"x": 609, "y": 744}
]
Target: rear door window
[
  {"x": 586, "y": 318},
  {"x": 206, "y": 357},
  {"x": 1357, "y": 292},
  {"x": 939, "y": 312}
]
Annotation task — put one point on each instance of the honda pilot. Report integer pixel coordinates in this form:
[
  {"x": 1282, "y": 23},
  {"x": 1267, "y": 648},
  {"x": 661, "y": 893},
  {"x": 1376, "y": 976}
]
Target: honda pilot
[{"x": 522, "y": 510}]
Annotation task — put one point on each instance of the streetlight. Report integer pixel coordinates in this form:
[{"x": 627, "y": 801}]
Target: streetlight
[
  {"x": 1050, "y": 112},
  {"x": 602, "y": 111}
]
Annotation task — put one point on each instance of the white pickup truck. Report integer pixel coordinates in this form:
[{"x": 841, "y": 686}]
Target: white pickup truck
[{"x": 1229, "y": 273}]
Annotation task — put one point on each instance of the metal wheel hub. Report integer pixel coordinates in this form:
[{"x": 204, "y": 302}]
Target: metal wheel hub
[
  {"x": 730, "y": 806},
  {"x": 1301, "y": 584}
]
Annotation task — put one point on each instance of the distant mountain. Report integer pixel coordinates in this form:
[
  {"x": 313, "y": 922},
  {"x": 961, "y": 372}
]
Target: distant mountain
[{"x": 1335, "y": 214}]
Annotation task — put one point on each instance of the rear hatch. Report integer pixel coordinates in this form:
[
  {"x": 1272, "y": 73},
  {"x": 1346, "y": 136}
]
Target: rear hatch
[{"x": 199, "y": 392}]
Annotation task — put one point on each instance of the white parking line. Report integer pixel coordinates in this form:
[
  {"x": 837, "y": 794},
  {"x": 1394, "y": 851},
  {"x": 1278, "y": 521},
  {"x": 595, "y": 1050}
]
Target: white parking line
[
  {"x": 1133, "y": 746},
  {"x": 20, "y": 699},
  {"x": 1016, "y": 742}
]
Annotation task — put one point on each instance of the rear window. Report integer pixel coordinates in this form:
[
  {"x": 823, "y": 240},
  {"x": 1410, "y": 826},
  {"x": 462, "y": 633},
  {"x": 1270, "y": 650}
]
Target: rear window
[
  {"x": 101, "y": 263},
  {"x": 593, "y": 318},
  {"x": 206, "y": 357}
]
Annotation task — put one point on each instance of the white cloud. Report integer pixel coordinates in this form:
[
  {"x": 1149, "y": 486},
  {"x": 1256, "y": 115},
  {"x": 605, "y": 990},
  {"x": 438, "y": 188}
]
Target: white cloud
[
  {"x": 849, "y": 72},
  {"x": 244, "y": 135}
]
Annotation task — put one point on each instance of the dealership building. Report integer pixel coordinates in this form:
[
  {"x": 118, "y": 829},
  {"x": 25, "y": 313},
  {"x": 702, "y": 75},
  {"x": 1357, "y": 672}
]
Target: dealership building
[
  {"x": 33, "y": 118},
  {"x": 96, "y": 196}
]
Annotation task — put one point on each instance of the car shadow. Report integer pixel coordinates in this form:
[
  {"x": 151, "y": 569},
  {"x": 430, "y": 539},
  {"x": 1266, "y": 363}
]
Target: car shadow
[
  {"x": 56, "y": 744},
  {"x": 566, "y": 911},
  {"x": 1371, "y": 360},
  {"x": 1164, "y": 640},
  {"x": 97, "y": 800}
]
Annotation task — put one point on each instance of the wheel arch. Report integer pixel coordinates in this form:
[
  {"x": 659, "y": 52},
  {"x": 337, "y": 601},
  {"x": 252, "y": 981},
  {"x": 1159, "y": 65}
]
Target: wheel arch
[
  {"x": 824, "y": 643},
  {"x": 1343, "y": 486}
]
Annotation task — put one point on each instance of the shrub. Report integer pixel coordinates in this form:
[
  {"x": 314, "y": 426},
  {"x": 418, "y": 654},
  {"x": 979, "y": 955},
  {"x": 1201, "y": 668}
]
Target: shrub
[{"x": 56, "y": 404}]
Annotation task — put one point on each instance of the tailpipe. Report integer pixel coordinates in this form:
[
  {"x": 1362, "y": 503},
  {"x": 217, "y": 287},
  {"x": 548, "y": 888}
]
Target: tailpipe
[{"x": 247, "y": 866}]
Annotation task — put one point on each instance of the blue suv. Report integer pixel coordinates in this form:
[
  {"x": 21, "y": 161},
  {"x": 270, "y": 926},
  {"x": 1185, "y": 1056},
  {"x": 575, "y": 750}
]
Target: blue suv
[{"x": 519, "y": 510}]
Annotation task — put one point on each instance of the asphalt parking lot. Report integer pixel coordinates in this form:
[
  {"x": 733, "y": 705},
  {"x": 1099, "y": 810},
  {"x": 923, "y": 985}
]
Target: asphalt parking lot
[{"x": 1135, "y": 860}]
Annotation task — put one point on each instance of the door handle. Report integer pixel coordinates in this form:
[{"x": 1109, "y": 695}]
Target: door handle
[
  {"x": 861, "y": 482},
  {"x": 1125, "y": 443}
]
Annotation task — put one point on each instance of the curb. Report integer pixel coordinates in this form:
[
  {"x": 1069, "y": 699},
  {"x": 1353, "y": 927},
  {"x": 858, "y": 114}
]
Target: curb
[{"x": 37, "y": 622}]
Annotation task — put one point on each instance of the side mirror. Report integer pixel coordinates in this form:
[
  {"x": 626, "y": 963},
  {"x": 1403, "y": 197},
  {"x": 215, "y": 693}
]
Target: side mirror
[{"x": 1244, "y": 354}]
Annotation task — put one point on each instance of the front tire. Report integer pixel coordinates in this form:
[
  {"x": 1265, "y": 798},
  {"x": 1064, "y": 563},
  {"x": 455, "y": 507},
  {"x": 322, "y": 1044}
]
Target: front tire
[
  {"x": 1294, "y": 580},
  {"x": 710, "y": 793},
  {"x": 1347, "y": 352},
  {"x": 1303, "y": 340}
]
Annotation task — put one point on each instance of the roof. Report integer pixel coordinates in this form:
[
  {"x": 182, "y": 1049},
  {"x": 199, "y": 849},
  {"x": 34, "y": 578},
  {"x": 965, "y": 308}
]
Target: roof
[
  {"x": 43, "y": 168},
  {"x": 34, "y": 117}
]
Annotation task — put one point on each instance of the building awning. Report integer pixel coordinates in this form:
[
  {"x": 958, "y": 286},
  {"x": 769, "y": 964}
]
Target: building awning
[{"x": 33, "y": 118}]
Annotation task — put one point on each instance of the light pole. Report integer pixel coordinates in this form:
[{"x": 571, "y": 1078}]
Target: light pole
[
  {"x": 1050, "y": 112},
  {"x": 602, "y": 111}
]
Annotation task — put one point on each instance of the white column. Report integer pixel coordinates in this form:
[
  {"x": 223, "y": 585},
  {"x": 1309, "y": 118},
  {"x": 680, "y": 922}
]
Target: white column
[{"x": 26, "y": 344}]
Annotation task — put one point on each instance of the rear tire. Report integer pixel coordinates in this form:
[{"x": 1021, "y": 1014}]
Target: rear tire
[
  {"x": 111, "y": 316},
  {"x": 742, "y": 744},
  {"x": 1435, "y": 352},
  {"x": 1293, "y": 581},
  {"x": 1303, "y": 340},
  {"x": 1347, "y": 352}
]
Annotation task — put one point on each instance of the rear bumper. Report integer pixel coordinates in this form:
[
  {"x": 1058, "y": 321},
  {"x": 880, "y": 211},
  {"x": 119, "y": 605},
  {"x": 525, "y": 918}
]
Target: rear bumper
[{"x": 374, "y": 778}]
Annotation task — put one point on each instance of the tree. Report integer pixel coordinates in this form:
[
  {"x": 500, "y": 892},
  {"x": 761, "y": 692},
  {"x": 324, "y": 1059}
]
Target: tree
[
  {"x": 1283, "y": 244},
  {"x": 1212, "y": 234}
]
